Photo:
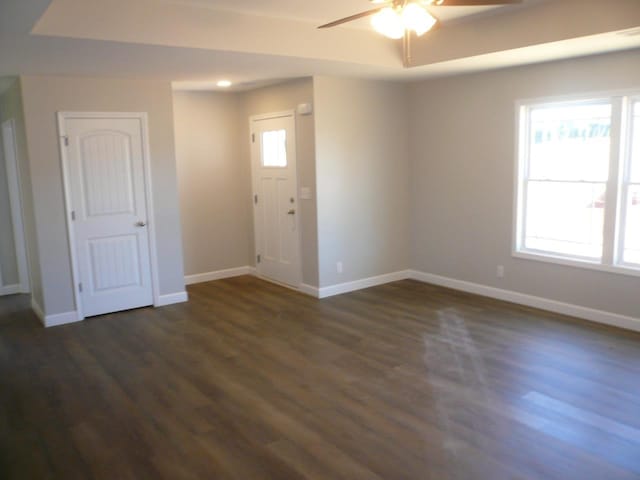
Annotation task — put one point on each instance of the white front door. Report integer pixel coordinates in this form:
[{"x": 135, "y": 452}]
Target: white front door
[
  {"x": 273, "y": 153},
  {"x": 106, "y": 190}
]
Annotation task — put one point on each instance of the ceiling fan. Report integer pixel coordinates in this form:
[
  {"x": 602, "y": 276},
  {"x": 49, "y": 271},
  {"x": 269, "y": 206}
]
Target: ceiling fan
[{"x": 398, "y": 19}]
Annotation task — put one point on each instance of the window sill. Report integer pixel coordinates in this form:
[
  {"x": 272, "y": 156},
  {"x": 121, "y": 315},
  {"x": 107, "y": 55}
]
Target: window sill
[{"x": 571, "y": 262}]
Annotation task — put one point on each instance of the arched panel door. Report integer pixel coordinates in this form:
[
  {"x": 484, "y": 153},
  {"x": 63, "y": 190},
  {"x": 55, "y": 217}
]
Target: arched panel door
[{"x": 105, "y": 162}]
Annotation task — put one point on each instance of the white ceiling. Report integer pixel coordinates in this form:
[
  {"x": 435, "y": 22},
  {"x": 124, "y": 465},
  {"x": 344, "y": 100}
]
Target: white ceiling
[
  {"x": 319, "y": 11},
  {"x": 254, "y": 42}
]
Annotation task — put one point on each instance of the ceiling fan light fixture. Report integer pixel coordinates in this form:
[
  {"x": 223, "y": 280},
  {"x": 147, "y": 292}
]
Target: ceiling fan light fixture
[
  {"x": 417, "y": 18},
  {"x": 389, "y": 23}
]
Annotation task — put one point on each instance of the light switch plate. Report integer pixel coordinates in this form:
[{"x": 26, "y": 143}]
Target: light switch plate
[{"x": 305, "y": 193}]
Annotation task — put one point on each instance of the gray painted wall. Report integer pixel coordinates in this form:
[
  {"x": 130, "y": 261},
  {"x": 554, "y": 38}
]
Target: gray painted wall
[
  {"x": 214, "y": 170},
  {"x": 11, "y": 108},
  {"x": 462, "y": 179},
  {"x": 213, "y": 180},
  {"x": 418, "y": 176},
  {"x": 362, "y": 178},
  {"x": 43, "y": 96}
]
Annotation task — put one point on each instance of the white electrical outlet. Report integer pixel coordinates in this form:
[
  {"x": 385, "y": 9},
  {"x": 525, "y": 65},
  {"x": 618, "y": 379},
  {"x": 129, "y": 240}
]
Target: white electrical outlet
[
  {"x": 339, "y": 267},
  {"x": 500, "y": 271}
]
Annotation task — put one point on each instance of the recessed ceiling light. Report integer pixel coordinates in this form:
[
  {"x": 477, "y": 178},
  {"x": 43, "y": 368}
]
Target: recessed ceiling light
[{"x": 224, "y": 83}]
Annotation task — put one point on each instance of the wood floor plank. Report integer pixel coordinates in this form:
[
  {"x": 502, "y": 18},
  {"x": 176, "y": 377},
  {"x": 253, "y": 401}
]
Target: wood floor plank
[{"x": 249, "y": 380}]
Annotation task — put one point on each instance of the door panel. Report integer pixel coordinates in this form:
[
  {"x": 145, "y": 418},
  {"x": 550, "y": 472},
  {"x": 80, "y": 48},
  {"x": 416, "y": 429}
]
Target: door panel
[
  {"x": 289, "y": 238},
  {"x": 276, "y": 211},
  {"x": 114, "y": 262},
  {"x": 107, "y": 182},
  {"x": 106, "y": 173},
  {"x": 269, "y": 211}
]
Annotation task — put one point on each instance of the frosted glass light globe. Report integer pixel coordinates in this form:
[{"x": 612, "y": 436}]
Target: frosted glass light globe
[
  {"x": 416, "y": 18},
  {"x": 388, "y": 22}
]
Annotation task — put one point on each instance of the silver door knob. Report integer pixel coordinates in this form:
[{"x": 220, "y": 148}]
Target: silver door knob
[
  {"x": 291, "y": 212},
  {"x": 141, "y": 224}
]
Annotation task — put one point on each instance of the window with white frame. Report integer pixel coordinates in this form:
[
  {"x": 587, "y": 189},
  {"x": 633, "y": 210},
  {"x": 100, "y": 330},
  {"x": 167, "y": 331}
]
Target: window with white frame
[
  {"x": 578, "y": 192},
  {"x": 630, "y": 209}
]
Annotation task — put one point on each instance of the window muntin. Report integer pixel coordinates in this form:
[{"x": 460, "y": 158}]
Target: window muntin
[{"x": 578, "y": 190}]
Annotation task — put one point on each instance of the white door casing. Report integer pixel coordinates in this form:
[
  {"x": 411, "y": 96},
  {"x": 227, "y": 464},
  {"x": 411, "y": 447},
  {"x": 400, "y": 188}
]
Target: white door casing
[
  {"x": 107, "y": 190},
  {"x": 276, "y": 209},
  {"x": 15, "y": 198}
]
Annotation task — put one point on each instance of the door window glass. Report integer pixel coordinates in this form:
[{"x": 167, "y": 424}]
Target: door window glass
[{"x": 274, "y": 148}]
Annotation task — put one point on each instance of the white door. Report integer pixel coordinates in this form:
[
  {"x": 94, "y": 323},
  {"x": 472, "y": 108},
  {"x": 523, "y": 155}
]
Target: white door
[
  {"x": 273, "y": 153},
  {"x": 106, "y": 183}
]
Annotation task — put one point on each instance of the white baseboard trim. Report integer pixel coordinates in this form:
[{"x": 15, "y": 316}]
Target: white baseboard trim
[
  {"x": 53, "y": 320},
  {"x": 10, "y": 289},
  {"x": 309, "y": 290},
  {"x": 72, "y": 317},
  {"x": 171, "y": 298},
  {"x": 61, "y": 319},
  {"x": 218, "y": 275},
  {"x": 598, "y": 316},
  {"x": 37, "y": 309},
  {"x": 303, "y": 288},
  {"x": 340, "y": 288}
]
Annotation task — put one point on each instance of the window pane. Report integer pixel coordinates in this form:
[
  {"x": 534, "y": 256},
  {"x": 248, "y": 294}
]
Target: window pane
[
  {"x": 632, "y": 227},
  {"x": 274, "y": 148},
  {"x": 635, "y": 143},
  {"x": 570, "y": 142},
  {"x": 565, "y": 218}
]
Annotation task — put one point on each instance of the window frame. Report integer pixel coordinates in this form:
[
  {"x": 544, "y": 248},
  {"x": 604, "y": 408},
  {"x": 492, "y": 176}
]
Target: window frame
[
  {"x": 619, "y": 179},
  {"x": 626, "y": 183}
]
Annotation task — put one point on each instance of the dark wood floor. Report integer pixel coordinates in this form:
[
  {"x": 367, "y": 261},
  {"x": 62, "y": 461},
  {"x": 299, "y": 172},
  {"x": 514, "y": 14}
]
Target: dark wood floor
[{"x": 250, "y": 381}]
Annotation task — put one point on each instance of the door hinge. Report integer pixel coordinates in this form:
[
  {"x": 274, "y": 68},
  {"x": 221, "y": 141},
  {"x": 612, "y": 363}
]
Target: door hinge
[
  {"x": 253, "y": 138},
  {"x": 255, "y": 198},
  {"x": 259, "y": 258},
  {"x": 73, "y": 215},
  {"x": 80, "y": 287},
  {"x": 66, "y": 140}
]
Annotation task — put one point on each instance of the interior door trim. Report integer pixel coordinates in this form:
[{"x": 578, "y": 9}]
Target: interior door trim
[
  {"x": 148, "y": 186},
  {"x": 270, "y": 116}
]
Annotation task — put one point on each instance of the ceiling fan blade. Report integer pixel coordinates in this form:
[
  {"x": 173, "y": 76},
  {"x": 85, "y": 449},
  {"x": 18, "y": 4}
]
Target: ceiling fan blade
[
  {"x": 352, "y": 18},
  {"x": 472, "y": 3}
]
